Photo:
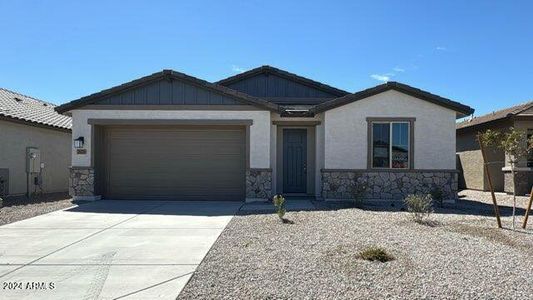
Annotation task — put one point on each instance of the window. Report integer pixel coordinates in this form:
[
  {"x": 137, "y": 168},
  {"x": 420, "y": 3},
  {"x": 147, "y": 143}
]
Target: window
[{"x": 390, "y": 145}]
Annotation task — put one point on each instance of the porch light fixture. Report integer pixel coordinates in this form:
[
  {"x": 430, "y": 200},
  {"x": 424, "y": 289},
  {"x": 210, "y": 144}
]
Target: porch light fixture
[{"x": 78, "y": 143}]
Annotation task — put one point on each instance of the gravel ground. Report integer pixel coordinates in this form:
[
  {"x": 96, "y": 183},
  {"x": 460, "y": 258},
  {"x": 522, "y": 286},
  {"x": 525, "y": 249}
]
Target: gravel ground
[
  {"x": 461, "y": 255},
  {"x": 20, "y": 208}
]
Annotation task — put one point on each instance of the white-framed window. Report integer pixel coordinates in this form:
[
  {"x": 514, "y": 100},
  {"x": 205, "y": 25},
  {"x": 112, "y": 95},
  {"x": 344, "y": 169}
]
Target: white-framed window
[{"x": 390, "y": 145}]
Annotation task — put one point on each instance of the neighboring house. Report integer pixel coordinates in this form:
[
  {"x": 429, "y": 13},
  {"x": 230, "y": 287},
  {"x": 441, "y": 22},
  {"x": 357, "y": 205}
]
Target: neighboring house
[
  {"x": 35, "y": 143},
  {"x": 265, "y": 131},
  {"x": 469, "y": 153}
]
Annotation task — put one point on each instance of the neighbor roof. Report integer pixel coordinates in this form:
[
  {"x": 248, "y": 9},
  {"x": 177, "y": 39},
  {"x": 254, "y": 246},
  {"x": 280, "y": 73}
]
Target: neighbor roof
[
  {"x": 168, "y": 74},
  {"x": 496, "y": 115},
  {"x": 462, "y": 109},
  {"x": 266, "y": 69},
  {"x": 21, "y": 108}
]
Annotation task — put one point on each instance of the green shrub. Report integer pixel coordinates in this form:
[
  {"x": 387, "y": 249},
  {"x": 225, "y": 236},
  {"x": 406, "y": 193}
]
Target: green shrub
[
  {"x": 358, "y": 190},
  {"x": 1, "y": 203},
  {"x": 419, "y": 206},
  {"x": 437, "y": 194},
  {"x": 375, "y": 254},
  {"x": 279, "y": 203}
]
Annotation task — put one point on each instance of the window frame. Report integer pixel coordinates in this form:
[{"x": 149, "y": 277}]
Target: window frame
[{"x": 410, "y": 142}]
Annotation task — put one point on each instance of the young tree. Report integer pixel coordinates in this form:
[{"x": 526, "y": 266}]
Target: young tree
[{"x": 515, "y": 144}]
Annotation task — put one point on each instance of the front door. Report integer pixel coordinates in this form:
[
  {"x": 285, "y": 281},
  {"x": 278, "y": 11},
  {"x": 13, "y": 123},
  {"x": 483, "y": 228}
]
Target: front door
[{"x": 294, "y": 160}]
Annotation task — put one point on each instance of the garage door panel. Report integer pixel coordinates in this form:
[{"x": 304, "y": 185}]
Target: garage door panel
[{"x": 175, "y": 163}]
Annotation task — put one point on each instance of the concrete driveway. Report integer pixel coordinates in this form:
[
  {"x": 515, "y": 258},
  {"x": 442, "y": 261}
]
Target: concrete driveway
[{"x": 109, "y": 249}]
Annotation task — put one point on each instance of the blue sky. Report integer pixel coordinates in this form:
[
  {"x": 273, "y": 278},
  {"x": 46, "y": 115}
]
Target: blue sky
[{"x": 477, "y": 52}]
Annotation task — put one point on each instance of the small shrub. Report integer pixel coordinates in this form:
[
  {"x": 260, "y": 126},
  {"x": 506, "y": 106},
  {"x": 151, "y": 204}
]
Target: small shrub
[
  {"x": 358, "y": 190},
  {"x": 279, "y": 203},
  {"x": 1, "y": 203},
  {"x": 419, "y": 206},
  {"x": 375, "y": 254},
  {"x": 438, "y": 195}
]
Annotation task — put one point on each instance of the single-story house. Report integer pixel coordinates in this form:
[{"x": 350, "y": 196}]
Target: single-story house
[
  {"x": 262, "y": 132},
  {"x": 469, "y": 154},
  {"x": 35, "y": 143}
]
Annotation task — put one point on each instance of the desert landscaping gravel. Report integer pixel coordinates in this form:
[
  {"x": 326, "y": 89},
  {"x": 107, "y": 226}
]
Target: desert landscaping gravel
[
  {"x": 462, "y": 255},
  {"x": 20, "y": 208}
]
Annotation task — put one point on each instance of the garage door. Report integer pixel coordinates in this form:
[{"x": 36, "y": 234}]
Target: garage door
[{"x": 175, "y": 162}]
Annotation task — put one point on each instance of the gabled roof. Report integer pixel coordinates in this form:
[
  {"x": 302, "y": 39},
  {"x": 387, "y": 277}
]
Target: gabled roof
[
  {"x": 496, "y": 115},
  {"x": 169, "y": 75},
  {"x": 344, "y": 97},
  {"x": 266, "y": 69},
  {"x": 463, "y": 110},
  {"x": 25, "y": 109}
]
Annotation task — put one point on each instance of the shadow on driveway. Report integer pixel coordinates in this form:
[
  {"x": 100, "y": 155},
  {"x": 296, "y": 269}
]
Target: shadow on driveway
[
  {"x": 178, "y": 208},
  {"x": 463, "y": 206}
]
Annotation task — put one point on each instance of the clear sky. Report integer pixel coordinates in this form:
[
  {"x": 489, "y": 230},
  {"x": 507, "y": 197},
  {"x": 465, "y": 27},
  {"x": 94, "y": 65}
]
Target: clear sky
[{"x": 477, "y": 52}]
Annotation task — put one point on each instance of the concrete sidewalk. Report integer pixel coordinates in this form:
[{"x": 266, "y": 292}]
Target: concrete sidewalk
[{"x": 109, "y": 249}]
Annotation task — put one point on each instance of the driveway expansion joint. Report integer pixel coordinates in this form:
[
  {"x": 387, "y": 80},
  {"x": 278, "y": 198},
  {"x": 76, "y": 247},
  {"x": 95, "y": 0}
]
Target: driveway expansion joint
[{"x": 78, "y": 241}]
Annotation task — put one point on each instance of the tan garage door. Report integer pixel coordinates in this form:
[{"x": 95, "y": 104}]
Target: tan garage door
[{"x": 175, "y": 162}]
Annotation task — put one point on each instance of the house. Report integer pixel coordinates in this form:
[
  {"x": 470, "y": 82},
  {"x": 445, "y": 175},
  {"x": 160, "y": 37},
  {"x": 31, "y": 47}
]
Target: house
[
  {"x": 469, "y": 154},
  {"x": 265, "y": 131},
  {"x": 35, "y": 143}
]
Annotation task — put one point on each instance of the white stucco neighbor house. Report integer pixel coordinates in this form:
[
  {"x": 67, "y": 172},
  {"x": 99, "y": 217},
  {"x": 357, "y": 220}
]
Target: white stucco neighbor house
[{"x": 262, "y": 132}]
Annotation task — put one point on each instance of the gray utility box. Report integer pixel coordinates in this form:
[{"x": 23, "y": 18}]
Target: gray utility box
[{"x": 33, "y": 160}]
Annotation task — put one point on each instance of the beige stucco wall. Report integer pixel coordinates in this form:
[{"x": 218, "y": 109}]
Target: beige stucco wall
[
  {"x": 55, "y": 154},
  {"x": 259, "y": 131},
  {"x": 345, "y": 133},
  {"x": 471, "y": 164}
]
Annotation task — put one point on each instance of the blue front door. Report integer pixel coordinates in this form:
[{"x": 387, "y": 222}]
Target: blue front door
[{"x": 294, "y": 160}]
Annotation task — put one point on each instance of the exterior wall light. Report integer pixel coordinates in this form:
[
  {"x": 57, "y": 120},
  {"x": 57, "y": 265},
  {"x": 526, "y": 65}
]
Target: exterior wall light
[{"x": 78, "y": 143}]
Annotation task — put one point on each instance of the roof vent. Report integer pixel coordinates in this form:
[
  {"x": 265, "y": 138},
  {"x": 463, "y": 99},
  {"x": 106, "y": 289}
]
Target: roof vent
[
  {"x": 18, "y": 99},
  {"x": 44, "y": 104}
]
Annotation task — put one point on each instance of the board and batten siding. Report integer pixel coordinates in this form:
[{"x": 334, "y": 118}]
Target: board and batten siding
[
  {"x": 270, "y": 85},
  {"x": 345, "y": 131},
  {"x": 165, "y": 92},
  {"x": 259, "y": 130}
]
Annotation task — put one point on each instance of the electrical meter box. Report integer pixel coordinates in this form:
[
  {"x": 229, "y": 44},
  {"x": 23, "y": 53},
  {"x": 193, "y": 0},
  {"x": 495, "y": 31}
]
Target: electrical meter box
[{"x": 33, "y": 160}]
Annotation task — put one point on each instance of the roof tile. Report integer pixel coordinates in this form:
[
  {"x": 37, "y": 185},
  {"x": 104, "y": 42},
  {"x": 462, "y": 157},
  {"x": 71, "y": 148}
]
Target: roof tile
[
  {"x": 21, "y": 107},
  {"x": 495, "y": 115}
]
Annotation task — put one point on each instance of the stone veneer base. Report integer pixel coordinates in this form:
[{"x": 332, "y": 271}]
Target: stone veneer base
[
  {"x": 81, "y": 183},
  {"x": 258, "y": 184},
  {"x": 336, "y": 184}
]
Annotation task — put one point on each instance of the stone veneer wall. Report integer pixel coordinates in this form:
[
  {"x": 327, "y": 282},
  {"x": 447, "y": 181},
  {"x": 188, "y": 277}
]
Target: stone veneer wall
[
  {"x": 523, "y": 182},
  {"x": 258, "y": 183},
  {"x": 81, "y": 182},
  {"x": 388, "y": 185}
]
